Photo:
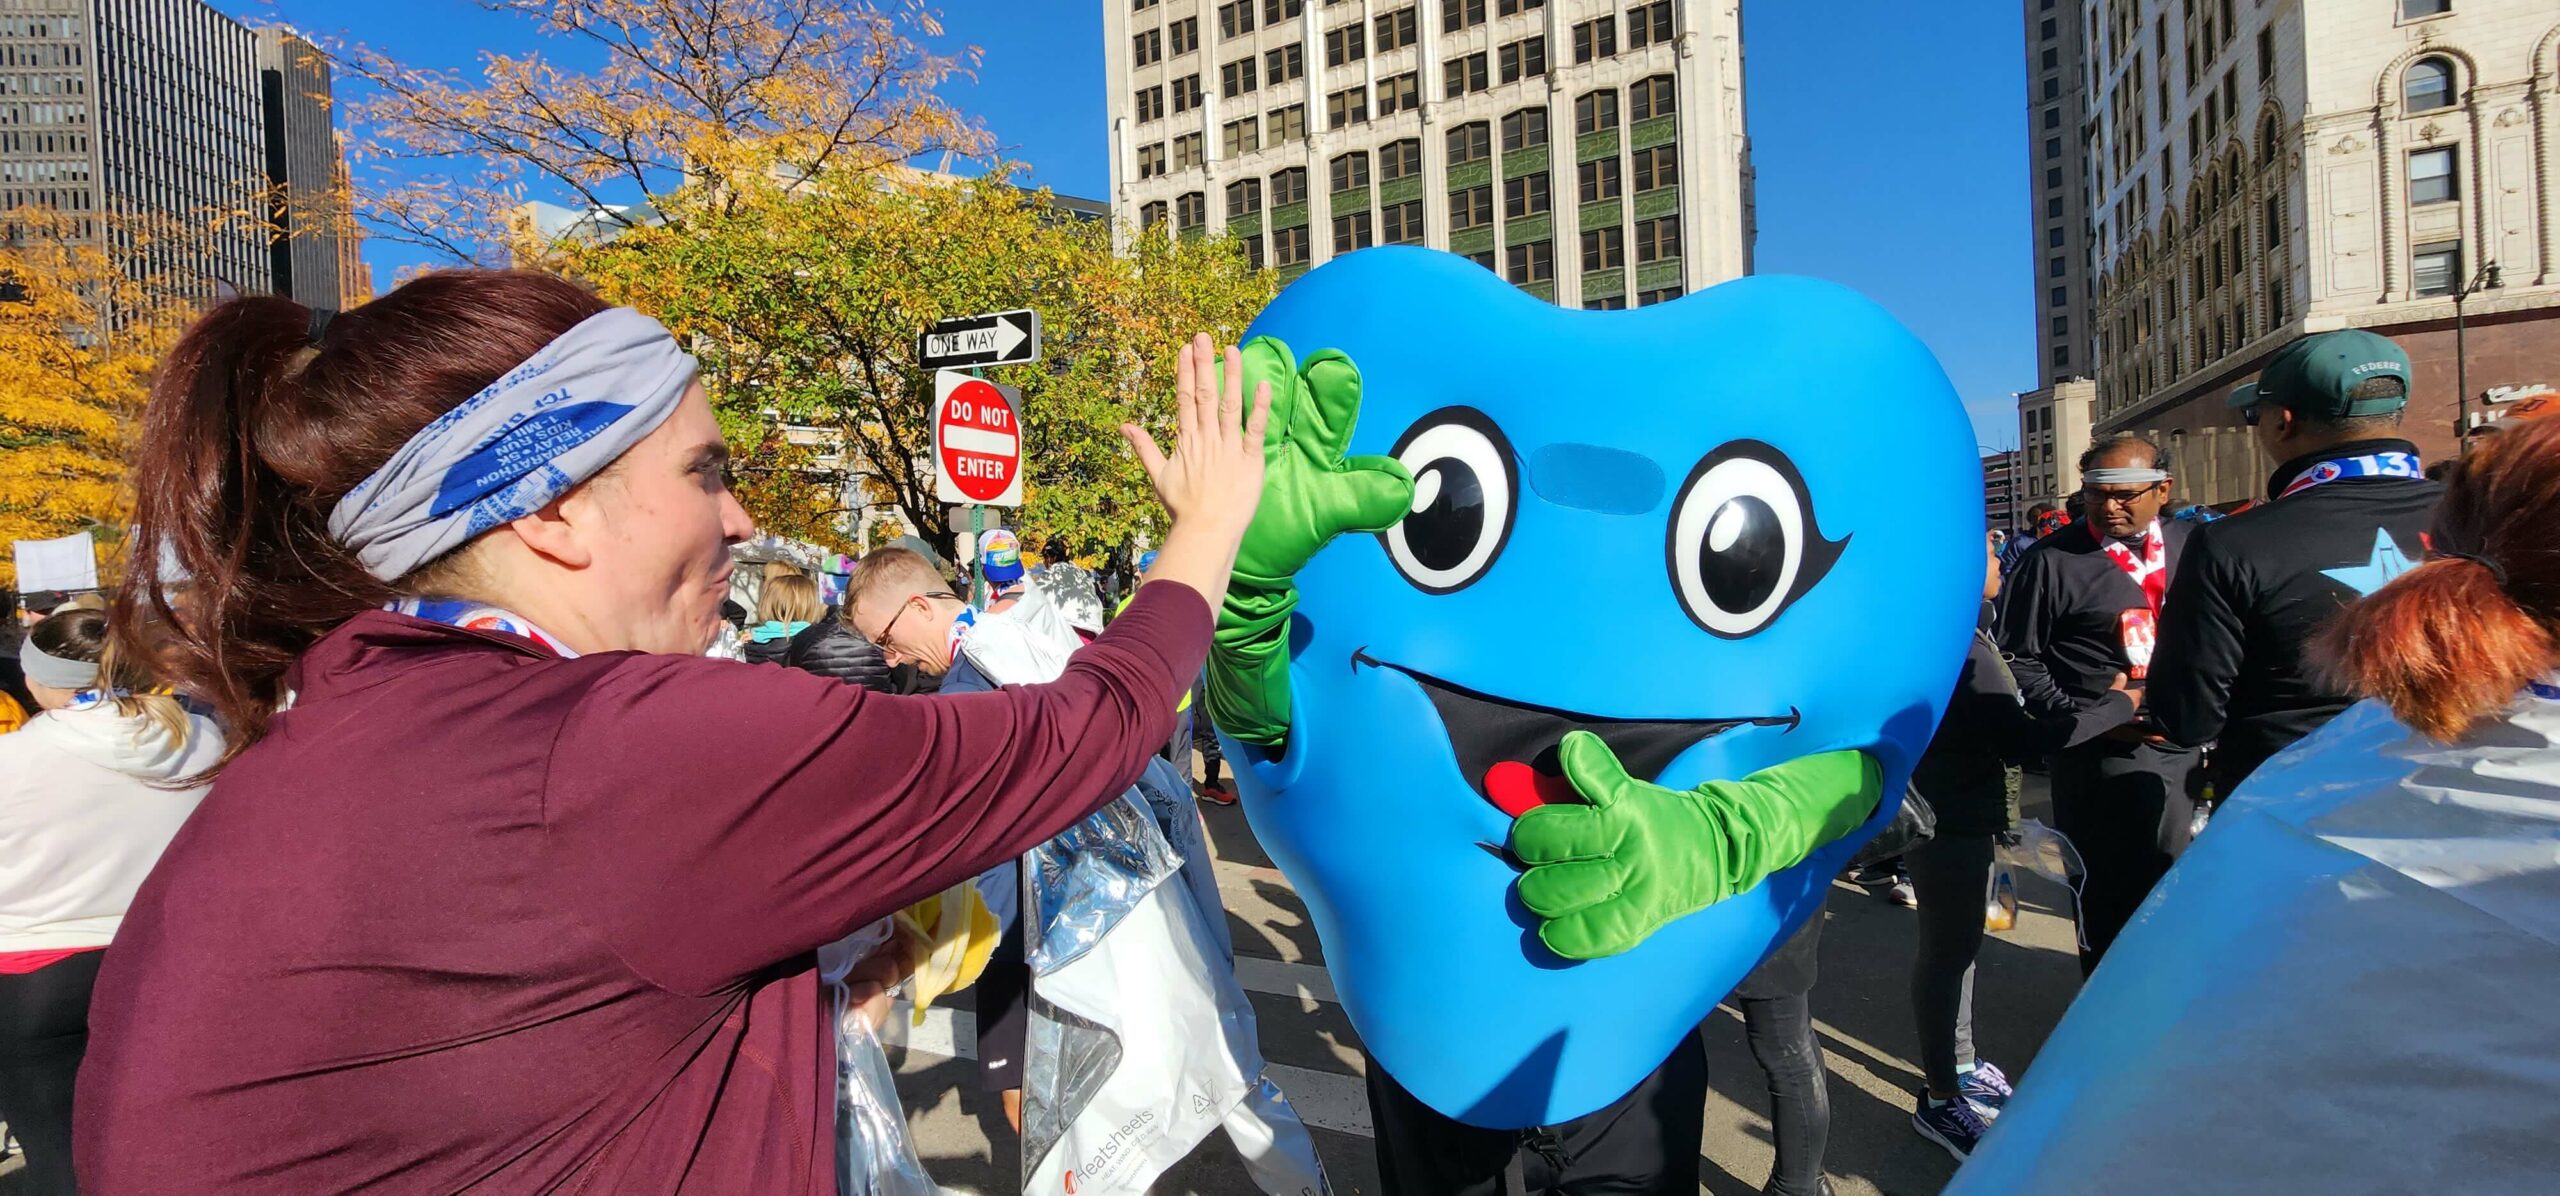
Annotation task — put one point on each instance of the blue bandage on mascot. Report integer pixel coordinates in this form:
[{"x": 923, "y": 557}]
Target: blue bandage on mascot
[{"x": 1571, "y": 653}]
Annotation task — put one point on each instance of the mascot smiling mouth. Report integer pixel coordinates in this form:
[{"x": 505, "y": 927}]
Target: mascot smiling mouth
[{"x": 1506, "y": 750}]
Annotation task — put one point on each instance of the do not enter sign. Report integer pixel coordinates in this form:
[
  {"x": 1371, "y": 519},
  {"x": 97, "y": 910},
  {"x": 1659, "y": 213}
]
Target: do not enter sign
[{"x": 977, "y": 441}]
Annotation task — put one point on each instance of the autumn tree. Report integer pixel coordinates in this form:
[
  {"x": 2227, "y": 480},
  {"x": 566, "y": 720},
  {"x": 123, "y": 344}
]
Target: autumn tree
[
  {"x": 85, "y": 314},
  {"x": 691, "y": 94},
  {"x": 805, "y": 301}
]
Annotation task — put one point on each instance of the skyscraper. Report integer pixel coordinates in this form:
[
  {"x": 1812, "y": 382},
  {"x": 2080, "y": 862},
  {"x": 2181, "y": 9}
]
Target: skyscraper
[
  {"x": 2260, "y": 170},
  {"x": 1591, "y": 151},
  {"x": 305, "y": 167}
]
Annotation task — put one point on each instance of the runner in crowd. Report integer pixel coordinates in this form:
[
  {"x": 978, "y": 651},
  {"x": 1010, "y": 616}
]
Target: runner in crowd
[
  {"x": 2082, "y": 609},
  {"x": 517, "y": 890},
  {"x": 90, "y": 794},
  {"x": 2348, "y": 511},
  {"x": 787, "y": 607}
]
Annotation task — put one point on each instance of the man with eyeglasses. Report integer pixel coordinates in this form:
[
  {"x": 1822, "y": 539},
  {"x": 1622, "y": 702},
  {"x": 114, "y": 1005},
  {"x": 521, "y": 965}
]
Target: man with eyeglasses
[
  {"x": 2082, "y": 609},
  {"x": 2348, "y": 511}
]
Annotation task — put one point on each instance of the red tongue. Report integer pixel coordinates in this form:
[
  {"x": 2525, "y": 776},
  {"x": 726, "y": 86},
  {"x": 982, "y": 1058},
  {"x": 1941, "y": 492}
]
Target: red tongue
[{"x": 1518, "y": 788}]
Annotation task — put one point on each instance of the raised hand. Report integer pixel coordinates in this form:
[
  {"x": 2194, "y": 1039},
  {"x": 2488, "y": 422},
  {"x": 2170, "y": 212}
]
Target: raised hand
[{"x": 1213, "y": 479}]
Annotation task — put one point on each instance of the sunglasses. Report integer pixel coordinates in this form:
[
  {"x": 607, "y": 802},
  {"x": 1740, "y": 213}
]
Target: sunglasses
[{"x": 881, "y": 641}]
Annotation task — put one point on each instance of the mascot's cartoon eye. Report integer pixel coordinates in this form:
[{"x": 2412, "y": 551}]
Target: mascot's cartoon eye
[
  {"x": 1744, "y": 545},
  {"x": 1465, "y": 489}
]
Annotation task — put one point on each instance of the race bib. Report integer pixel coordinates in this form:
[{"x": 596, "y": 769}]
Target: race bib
[{"x": 2141, "y": 631}]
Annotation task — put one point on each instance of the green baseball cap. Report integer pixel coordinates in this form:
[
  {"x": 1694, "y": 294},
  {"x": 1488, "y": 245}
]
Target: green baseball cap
[{"x": 2317, "y": 376}]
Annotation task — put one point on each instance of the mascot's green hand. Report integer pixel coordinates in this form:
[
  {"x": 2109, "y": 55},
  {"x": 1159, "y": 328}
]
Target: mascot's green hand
[
  {"x": 1311, "y": 493},
  {"x": 1604, "y": 876}
]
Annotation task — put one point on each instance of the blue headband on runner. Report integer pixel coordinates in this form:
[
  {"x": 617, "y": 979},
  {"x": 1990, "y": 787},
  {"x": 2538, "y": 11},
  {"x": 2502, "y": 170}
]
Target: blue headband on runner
[{"x": 547, "y": 425}]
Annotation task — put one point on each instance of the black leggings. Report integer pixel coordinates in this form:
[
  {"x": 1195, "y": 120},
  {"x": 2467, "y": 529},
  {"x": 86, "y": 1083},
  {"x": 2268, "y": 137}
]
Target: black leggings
[
  {"x": 1780, "y": 1030},
  {"x": 1952, "y": 874},
  {"x": 44, "y": 1031}
]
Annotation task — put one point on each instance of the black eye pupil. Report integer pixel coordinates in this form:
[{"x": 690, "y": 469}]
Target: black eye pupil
[
  {"x": 1448, "y": 527},
  {"x": 1744, "y": 552}
]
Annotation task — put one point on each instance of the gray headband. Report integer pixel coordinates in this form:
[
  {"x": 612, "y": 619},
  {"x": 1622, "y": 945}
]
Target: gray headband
[
  {"x": 54, "y": 672},
  {"x": 547, "y": 425},
  {"x": 2126, "y": 477}
]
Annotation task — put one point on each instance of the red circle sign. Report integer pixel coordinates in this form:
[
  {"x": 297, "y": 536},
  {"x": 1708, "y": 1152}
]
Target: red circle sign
[{"x": 980, "y": 440}]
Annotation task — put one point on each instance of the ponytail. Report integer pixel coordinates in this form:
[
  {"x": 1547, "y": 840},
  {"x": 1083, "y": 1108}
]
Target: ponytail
[
  {"x": 261, "y": 418},
  {"x": 2452, "y": 642}
]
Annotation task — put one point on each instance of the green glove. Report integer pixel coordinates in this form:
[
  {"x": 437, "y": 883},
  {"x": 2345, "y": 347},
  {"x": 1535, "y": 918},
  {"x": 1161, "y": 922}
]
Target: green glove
[
  {"x": 1310, "y": 494},
  {"x": 1601, "y": 877}
]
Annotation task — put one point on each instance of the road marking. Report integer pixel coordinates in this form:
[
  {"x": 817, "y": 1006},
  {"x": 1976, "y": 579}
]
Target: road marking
[
  {"x": 1324, "y": 1099},
  {"x": 1273, "y": 977}
]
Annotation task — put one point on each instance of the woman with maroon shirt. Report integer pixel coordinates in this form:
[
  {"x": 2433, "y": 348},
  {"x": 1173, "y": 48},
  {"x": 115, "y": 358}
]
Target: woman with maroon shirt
[{"x": 502, "y": 883}]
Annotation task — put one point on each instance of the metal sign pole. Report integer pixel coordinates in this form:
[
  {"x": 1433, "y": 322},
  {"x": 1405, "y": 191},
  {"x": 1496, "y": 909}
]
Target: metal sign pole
[{"x": 977, "y": 528}]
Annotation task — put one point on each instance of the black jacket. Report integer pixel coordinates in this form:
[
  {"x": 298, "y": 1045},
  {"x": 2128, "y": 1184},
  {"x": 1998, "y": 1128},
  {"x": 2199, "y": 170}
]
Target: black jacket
[
  {"x": 1964, "y": 775},
  {"x": 2257, "y": 587},
  {"x": 831, "y": 649},
  {"x": 2062, "y": 615}
]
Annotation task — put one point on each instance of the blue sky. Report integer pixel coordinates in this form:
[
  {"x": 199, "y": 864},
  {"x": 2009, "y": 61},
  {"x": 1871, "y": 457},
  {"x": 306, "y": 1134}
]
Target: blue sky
[{"x": 1889, "y": 136}]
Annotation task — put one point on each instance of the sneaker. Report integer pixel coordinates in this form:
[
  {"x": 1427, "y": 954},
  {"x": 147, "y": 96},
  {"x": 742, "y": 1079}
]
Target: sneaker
[
  {"x": 1903, "y": 894},
  {"x": 1216, "y": 795},
  {"x": 1955, "y": 1125},
  {"x": 1986, "y": 1087}
]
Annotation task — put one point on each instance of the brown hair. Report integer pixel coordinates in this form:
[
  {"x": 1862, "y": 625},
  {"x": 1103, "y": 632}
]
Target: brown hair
[
  {"x": 2450, "y": 643},
  {"x": 82, "y": 634},
  {"x": 259, "y": 421},
  {"x": 789, "y": 598},
  {"x": 885, "y": 570}
]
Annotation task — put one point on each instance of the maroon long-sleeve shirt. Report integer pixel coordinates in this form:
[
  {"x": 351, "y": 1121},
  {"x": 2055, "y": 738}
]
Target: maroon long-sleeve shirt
[{"x": 475, "y": 915}]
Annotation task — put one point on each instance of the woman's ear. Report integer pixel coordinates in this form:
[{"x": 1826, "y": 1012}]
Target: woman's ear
[{"x": 559, "y": 532}]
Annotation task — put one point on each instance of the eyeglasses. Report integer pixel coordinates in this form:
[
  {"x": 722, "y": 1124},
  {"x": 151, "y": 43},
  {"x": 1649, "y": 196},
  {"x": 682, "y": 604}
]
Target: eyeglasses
[
  {"x": 881, "y": 641},
  {"x": 2118, "y": 498}
]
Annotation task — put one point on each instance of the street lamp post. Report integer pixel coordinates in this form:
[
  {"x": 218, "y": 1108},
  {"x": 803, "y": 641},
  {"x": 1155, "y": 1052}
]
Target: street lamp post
[{"x": 2486, "y": 279}]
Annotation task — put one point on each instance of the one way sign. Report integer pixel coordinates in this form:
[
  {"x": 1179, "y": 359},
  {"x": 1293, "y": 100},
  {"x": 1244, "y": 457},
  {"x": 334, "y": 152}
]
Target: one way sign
[{"x": 998, "y": 338}]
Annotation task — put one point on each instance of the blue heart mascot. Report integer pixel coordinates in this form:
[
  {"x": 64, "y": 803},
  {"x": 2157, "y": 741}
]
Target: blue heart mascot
[{"x": 1639, "y": 617}]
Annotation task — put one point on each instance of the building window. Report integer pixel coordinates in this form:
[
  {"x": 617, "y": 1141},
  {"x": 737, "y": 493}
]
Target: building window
[
  {"x": 2053, "y": 89},
  {"x": 1276, "y": 11},
  {"x": 1150, "y": 104},
  {"x": 2437, "y": 268},
  {"x": 1533, "y": 262},
  {"x": 2053, "y": 118},
  {"x": 1186, "y": 93},
  {"x": 1346, "y": 107},
  {"x": 1235, "y": 18},
  {"x": 2275, "y": 221},
  {"x": 1402, "y": 223},
  {"x": 1604, "y": 249},
  {"x": 1595, "y": 39},
  {"x": 2062, "y": 358},
  {"x": 1151, "y": 215},
  {"x": 1244, "y": 197},
  {"x": 1525, "y": 196},
  {"x": 2052, "y": 148},
  {"x": 1464, "y": 74},
  {"x": 2053, "y": 238},
  {"x": 2056, "y": 268},
  {"x": 2052, "y": 59},
  {"x": 1188, "y": 151},
  {"x": 1513, "y": 8},
  {"x": 2411, "y": 10},
  {"x": 1347, "y": 44},
  {"x": 1648, "y": 23},
  {"x": 2428, "y": 85},
  {"x": 2049, "y": 29},
  {"x": 1186, "y": 35},
  {"x": 1287, "y": 124},
  {"x": 1399, "y": 93},
  {"x": 1599, "y": 180},
  {"x": 2053, "y": 207},
  {"x": 1252, "y": 251},
  {"x": 1289, "y": 246},
  {"x": 1649, "y": 98},
  {"x": 1471, "y": 142},
  {"x": 1524, "y": 59},
  {"x": 1658, "y": 239},
  {"x": 1400, "y": 160},
  {"x": 1460, "y": 14},
  {"x": 2053, "y": 176},
  {"x": 1471, "y": 208},
  {"x": 2061, "y": 297},
  {"x": 1596, "y": 111},
  {"x": 1482, "y": 258},
  {"x": 1353, "y": 230},
  {"x": 1395, "y": 29},
  {"x": 1285, "y": 64},
  {"x": 2431, "y": 178},
  {"x": 1611, "y": 303},
  {"x": 1150, "y": 160},
  {"x": 1658, "y": 295},
  {"x": 1289, "y": 186},
  {"x": 1237, "y": 78},
  {"x": 1141, "y": 5},
  {"x": 1657, "y": 168},
  {"x": 1242, "y": 136},
  {"x": 2062, "y": 326},
  {"x": 1524, "y": 129},
  {"x": 1147, "y": 48},
  {"x": 1191, "y": 211},
  {"x": 1351, "y": 170}
]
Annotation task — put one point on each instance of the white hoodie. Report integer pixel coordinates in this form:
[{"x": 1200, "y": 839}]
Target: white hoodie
[{"x": 81, "y": 822}]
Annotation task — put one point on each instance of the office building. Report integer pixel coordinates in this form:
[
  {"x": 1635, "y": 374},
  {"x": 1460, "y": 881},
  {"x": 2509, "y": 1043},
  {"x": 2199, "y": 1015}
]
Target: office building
[
  {"x": 2053, "y": 430},
  {"x": 1591, "y": 151},
  {"x": 305, "y": 168},
  {"x": 2000, "y": 506},
  {"x": 2258, "y": 170}
]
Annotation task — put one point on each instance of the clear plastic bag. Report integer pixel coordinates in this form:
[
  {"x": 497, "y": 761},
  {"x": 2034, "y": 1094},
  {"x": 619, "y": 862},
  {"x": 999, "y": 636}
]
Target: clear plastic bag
[
  {"x": 875, "y": 1156},
  {"x": 2037, "y": 850}
]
